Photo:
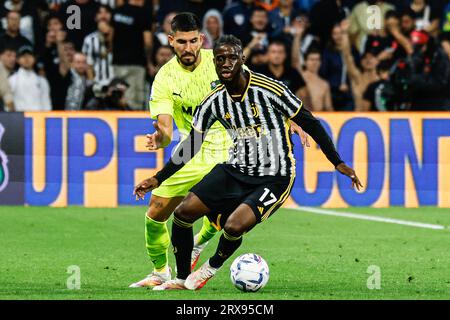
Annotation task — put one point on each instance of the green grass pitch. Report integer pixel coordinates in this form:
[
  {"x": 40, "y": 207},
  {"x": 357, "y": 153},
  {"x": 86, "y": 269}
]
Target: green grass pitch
[{"x": 310, "y": 256}]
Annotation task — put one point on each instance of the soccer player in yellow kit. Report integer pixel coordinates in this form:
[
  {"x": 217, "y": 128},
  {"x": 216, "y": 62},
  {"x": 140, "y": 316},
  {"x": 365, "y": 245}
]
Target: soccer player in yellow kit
[{"x": 179, "y": 87}]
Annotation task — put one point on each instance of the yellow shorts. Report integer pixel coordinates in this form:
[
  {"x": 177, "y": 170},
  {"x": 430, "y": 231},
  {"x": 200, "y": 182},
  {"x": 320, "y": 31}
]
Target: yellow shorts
[{"x": 181, "y": 182}]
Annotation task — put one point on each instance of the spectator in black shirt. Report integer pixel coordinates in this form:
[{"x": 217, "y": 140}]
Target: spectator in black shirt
[
  {"x": 324, "y": 15},
  {"x": 258, "y": 35},
  {"x": 12, "y": 37},
  {"x": 407, "y": 21},
  {"x": 132, "y": 43},
  {"x": 374, "y": 98},
  {"x": 278, "y": 69},
  {"x": 236, "y": 18},
  {"x": 88, "y": 11},
  {"x": 30, "y": 23},
  {"x": 50, "y": 59},
  {"x": 430, "y": 73}
]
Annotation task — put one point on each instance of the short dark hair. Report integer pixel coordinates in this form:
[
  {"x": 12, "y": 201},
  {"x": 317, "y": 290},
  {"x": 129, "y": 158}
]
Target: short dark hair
[
  {"x": 391, "y": 14},
  {"x": 51, "y": 16},
  {"x": 259, "y": 9},
  {"x": 106, "y": 7},
  {"x": 312, "y": 50},
  {"x": 185, "y": 22},
  {"x": 227, "y": 39},
  {"x": 8, "y": 47},
  {"x": 278, "y": 43}
]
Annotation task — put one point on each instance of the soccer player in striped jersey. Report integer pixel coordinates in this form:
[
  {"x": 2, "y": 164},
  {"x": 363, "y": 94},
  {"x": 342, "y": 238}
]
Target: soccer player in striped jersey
[
  {"x": 260, "y": 173},
  {"x": 178, "y": 88}
]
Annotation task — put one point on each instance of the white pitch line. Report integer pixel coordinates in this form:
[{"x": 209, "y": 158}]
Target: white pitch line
[{"x": 370, "y": 218}]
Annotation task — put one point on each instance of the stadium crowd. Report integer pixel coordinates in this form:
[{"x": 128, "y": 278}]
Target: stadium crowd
[{"x": 340, "y": 55}]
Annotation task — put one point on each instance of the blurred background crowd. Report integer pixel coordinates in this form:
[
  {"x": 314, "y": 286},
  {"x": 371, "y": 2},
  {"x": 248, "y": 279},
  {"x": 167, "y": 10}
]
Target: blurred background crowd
[{"x": 341, "y": 55}]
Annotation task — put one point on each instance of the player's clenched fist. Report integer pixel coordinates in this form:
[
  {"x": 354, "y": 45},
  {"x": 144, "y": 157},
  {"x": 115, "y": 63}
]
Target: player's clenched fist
[{"x": 145, "y": 186}]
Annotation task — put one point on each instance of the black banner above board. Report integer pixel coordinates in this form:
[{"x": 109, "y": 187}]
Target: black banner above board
[{"x": 12, "y": 159}]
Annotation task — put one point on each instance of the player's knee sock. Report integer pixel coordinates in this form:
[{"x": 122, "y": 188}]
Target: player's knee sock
[
  {"x": 228, "y": 244},
  {"x": 157, "y": 241},
  {"x": 183, "y": 243},
  {"x": 206, "y": 232}
]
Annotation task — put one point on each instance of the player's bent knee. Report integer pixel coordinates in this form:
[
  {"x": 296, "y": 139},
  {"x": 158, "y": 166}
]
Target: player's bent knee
[
  {"x": 190, "y": 209},
  {"x": 184, "y": 213},
  {"x": 157, "y": 215},
  {"x": 234, "y": 227}
]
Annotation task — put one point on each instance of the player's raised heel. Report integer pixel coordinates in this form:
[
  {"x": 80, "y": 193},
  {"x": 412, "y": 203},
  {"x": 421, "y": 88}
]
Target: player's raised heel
[
  {"x": 175, "y": 284},
  {"x": 198, "y": 279},
  {"x": 154, "y": 279}
]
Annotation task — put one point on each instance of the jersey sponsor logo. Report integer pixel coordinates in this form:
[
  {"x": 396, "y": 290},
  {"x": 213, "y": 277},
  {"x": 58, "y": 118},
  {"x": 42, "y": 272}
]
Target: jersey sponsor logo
[
  {"x": 4, "y": 173},
  {"x": 261, "y": 209},
  {"x": 253, "y": 131},
  {"x": 187, "y": 110}
]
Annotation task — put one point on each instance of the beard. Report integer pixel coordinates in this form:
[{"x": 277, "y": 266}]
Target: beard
[{"x": 188, "y": 63}]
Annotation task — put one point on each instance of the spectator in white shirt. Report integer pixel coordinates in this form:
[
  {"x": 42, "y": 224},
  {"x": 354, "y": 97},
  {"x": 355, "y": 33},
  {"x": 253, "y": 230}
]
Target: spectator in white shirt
[{"x": 31, "y": 91}]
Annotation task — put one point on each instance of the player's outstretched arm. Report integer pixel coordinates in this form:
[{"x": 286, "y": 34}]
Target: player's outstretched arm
[
  {"x": 314, "y": 128},
  {"x": 185, "y": 152},
  {"x": 299, "y": 131},
  {"x": 162, "y": 136}
]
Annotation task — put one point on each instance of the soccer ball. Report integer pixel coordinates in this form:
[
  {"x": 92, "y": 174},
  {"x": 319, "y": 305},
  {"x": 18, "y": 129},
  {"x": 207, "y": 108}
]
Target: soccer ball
[{"x": 249, "y": 272}]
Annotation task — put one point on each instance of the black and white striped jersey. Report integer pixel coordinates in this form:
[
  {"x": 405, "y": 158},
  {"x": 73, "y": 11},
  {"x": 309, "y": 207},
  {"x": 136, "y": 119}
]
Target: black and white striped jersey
[
  {"x": 99, "y": 58},
  {"x": 258, "y": 124}
]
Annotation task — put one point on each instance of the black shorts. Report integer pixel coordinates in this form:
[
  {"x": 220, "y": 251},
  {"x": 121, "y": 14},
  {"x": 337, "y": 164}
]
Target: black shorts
[{"x": 225, "y": 188}]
